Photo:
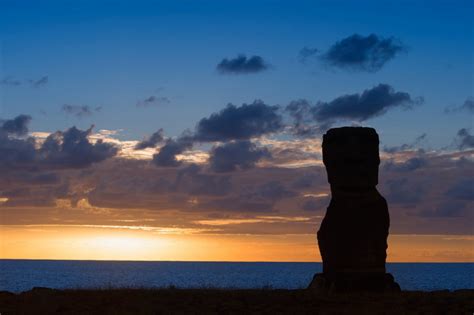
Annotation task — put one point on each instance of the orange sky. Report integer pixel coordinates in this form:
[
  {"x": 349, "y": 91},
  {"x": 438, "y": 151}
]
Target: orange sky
[{"x": 113, "y": 243}]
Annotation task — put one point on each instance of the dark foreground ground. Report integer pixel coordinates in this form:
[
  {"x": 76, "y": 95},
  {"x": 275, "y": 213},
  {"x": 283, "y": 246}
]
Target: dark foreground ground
[{"x": 215, "y": 301}]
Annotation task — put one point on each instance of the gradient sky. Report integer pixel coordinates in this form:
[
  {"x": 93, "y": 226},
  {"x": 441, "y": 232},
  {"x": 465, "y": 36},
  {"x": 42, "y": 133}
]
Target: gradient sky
[{"x": 131, "y": 68}]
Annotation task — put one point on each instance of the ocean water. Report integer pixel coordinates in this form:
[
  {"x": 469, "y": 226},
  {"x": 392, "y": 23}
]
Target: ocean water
[{"x": 22, "y": 275}]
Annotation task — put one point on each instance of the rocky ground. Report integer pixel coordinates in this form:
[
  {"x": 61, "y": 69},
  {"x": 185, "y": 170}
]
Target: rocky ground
[{"x": 219, "y": 301}]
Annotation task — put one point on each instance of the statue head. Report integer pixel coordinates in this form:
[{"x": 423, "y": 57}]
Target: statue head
[{"x": 351, "y": 157}]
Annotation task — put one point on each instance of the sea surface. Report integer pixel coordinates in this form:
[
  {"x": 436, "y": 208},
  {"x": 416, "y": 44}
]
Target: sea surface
[{"x": 22, "y": 275}]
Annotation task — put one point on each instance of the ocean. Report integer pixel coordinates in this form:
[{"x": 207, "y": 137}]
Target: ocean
[{"x": 22, "y": 275}]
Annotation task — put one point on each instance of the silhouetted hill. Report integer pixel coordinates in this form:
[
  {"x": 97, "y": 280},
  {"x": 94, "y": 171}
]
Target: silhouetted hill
[{"x": 220, "y": 301}]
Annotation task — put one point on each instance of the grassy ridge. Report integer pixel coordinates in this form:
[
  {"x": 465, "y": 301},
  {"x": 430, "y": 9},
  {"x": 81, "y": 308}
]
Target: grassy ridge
[{"x": 220, "y": 301}]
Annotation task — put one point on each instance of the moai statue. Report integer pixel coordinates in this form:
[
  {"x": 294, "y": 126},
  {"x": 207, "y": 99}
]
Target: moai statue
[{"x": 353, "y": 234}]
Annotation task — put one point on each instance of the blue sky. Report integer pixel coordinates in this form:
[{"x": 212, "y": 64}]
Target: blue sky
[{"x": 116, "y": 53}]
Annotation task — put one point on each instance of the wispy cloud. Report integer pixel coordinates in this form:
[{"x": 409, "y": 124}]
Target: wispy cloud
[
  {"x": 153, "y": 101},
  {"x": 467, "y": 106},
  {"x": 80, "y": 111},
  {"x": 36, "y": 83}
]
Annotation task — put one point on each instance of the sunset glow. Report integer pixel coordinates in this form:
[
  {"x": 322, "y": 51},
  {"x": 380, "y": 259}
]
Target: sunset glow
[{"x": 112, "y": 243}]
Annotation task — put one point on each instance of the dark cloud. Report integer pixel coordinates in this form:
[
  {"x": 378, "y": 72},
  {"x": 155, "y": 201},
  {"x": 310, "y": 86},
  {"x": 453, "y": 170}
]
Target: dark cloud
[
  {"x": 407, "y": 166},
  {"x": 359, "y": 107},
  {"x": 307, "y": 53},
  {"x": 315, "y": 204},
  {"x": 231, "y": 123},
  {"x": 242, "y": 65},
  {"x": 308, "y": 180},
  {"x": 237, "y": 204},
  {"x": 152, "y": 141},
  {"x": 301, "y": 111},
  {"x": 241, "y": 154},
  {"x": 39, "y": 82},
  {"x": 403, "y": 191},
  {"x": 153, "y": 101},
  {"x": 17, "y": 126},
  {"x": 406, "y": 146},
  {"x": 464, "y": 139},
  {"x": 46, "y": 178},
  {"x": 239, "y": 123},
  {"x": 16, "y": 153},
  {"x": 79, "y": 111},
  {"x": 166, "y": 157},
  {"x": 190, "y": 180},
  {"x": 462, "y": 190},
  {"x": 10, "y": 81},
  {"x": 467, "y": 106},
  {"x": 273, "y": 191},
  {"x": 362, "y": 53},
  {"x": 369, "y": 104},
  {"x": 36, "y": 83},
  {"x": 60, "y": 150},
  {"x": 72, "y": 149},
  {"x": 261, "y": 198},
  {"x": 446, "y": 209}
]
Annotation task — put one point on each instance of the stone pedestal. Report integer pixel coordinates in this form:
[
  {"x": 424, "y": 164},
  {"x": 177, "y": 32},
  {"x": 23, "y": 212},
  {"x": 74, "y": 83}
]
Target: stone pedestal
[{"x": 353, "y": 235}]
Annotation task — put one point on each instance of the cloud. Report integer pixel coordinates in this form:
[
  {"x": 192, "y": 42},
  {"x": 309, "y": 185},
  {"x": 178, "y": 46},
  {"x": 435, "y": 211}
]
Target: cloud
[
  {"x": 446, "y": 209},
  {"x": 17, "y": 126},
  {"x": 406, "y": 146},
  {"x": 166, "y": 157},
  {"x": 464, "y": 139},
  {"x": 72, "y": 149},
  {"x": 60, "y": 150},
  {"x": 231, "y": 156},
  {"x": 467, "y": 106},
  {"x": 152, "y": 141},
  {"x": 153, "y": 101},
  {"x": 307, "y": 53},
  {"x": 309, "y": 180},
  {"x": 237, "y": 204},
  {"x": 462, "y": 190},
  {"x": 16, "y": 153},
  {"x": 362, "y": 53},
  {"x": 409, "y": 165},
  {"x": 252, "y": 199},
  {"x": 273, "y": 191},
  {"x": 315, "y": 203},
  {"x": 242, "y": 65},
  {"x": 301, "y": 113},
  {"x": 80, "y": 111},
  {"x": 239, "y": 123},
  {"x": 403, "y": 191},
  {"x": 36, "y": 83},
  {"x": 370, "y": 103},
  {"x": 9, "y": 80},
  {"x": 191, "y": 181},
  {"x": 131, "y": 189},
  {"x": 229, "y": 124},
  {"x": 40, "y": 82}
]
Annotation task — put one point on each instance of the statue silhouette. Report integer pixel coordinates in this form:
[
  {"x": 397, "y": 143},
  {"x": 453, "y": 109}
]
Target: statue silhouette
[{"x": 353, "y": 235}]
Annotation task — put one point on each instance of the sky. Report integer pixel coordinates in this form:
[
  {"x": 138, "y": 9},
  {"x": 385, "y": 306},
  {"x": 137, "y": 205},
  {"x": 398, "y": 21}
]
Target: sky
[{"x": 191, "y": 130}]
